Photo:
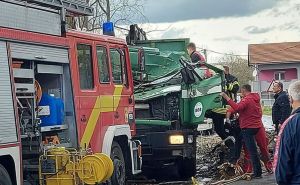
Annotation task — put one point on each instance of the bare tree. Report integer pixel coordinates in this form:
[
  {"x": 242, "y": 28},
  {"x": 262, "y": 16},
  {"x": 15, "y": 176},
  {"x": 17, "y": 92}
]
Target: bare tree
[
  {"x": 120, "y": 12},
  {"x": 238, "y": 67}
]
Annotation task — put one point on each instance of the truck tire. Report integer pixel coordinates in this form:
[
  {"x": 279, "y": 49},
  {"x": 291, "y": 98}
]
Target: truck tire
[
  {"x": 119, "y": 174},
  {"x": 186, "y": 168},
  {"x": 5, "y": 178}
]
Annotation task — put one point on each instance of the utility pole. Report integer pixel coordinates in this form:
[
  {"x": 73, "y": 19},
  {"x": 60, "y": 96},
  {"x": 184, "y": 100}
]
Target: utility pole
[{"x": 205, "y": 54}]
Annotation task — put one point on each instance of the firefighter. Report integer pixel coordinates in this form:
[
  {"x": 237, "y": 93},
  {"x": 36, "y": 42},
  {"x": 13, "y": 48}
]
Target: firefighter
[
  {"x": 232, "y": 125},
  {"x": 197, "y": 57},
  {"x": 218, "y": 114},
  {"x": 231, "y": 84}
]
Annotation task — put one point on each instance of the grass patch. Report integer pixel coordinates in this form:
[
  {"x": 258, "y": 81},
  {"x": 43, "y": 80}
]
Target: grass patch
[{"x": 267, "y": 110}]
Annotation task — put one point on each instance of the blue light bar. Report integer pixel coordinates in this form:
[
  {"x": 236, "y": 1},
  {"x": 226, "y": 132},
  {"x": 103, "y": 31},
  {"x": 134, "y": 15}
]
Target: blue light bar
[{"x": 108, "y": 28}]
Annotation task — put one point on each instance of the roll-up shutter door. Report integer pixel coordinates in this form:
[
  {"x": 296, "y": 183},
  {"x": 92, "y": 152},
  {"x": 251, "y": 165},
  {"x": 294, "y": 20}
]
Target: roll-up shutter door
[
  {"x": 40, "y": 53},
  {"x": 8, "y": 131}
]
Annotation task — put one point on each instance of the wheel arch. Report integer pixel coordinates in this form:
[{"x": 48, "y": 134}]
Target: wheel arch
[
  {"x": 8, "y": 163},
  {"x": 120, "y": 134},
  {"x": 112, "y": 133}
]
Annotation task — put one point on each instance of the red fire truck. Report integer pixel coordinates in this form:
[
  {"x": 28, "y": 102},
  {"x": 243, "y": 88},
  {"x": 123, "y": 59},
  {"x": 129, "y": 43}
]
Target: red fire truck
[{"x": 66, "y": 99}]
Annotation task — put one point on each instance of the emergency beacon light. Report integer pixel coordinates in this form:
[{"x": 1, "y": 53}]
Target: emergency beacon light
[{"x": 108, "y": 28}]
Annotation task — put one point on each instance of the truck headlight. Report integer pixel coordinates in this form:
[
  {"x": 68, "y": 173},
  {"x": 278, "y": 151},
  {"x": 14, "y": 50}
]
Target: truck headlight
[{"x": 176, "y": 139}]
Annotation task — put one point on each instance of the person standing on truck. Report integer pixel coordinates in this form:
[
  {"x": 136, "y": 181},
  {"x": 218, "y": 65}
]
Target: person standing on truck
[
  {"x": 287, "y": 151},
  {"x": 231, "y": 84},
  {"x": 197, "y": 57},
  {"x": 250, "y": 114},
  {"x": 281, "y": 109}
]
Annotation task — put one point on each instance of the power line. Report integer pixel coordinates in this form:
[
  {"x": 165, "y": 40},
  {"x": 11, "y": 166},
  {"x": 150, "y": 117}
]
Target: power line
[
  {"x": 121, "y": 28},
  {"x": 263, "y": 53},
  {"x": 217, "y": 52},
  {"x": 231, "y": 54}
]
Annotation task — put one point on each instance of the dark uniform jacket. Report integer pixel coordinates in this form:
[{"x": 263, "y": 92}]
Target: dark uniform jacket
[
  {"x": 281, "y": 109},
  {"x": 287, "y": 155},
  {"x": 232, "y": 86}
]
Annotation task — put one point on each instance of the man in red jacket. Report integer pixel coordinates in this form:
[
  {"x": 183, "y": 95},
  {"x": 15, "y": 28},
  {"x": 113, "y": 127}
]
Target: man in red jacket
[
  {"x": 262, "y": 143},
  {"x": 250, "y": 115}
]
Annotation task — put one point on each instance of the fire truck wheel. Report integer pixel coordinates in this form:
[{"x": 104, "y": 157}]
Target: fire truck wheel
[
  {"x": 119, "y": 174},
  {"x": 5, "y": 178},
  {"x": 186, "y": 168}
]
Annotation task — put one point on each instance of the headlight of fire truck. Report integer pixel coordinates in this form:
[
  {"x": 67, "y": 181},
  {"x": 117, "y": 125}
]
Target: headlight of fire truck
[{"x": 176, "y": 139}]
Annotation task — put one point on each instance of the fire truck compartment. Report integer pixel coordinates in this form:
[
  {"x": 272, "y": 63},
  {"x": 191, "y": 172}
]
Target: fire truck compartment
[{"x": 44, "y": 93}]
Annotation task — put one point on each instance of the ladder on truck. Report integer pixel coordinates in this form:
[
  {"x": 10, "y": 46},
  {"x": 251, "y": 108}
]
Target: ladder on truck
[
  {"x": 25, "y": 89},
  {"x": 78, "y": 7}
]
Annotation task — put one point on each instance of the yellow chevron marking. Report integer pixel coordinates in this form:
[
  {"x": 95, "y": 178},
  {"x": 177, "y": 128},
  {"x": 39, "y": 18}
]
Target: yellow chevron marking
[{"x": 103, "y": 103}]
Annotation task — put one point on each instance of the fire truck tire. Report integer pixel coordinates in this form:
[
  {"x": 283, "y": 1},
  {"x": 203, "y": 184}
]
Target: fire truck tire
[
  {"x": 5, "y": 178},
  {"x": 186, "y": 168},
  {"x": 119, "y": 174}
]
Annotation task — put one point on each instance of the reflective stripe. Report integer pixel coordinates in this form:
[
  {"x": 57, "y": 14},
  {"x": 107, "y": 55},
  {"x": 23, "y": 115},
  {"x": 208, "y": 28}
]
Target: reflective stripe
[
  {"x": 222, "y": 110},
  {"x": 105, "y": 103},
  {"x": 235, "y": 83},
  {"x": 231, "y": 85}
]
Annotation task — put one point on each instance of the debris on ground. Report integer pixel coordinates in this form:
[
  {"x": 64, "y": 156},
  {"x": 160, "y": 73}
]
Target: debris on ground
[
  {"x": 212, "y": 161},
  {"x": 207, "y": 159}
]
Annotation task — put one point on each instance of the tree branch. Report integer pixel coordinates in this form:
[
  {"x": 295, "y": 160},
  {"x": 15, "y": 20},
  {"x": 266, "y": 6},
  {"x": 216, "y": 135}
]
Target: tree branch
[
  {"x": 100, "y": 5},
  {"x": 108, "y": 10}
]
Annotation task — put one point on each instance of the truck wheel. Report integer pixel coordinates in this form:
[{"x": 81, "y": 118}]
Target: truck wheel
[
  {"x": 5, "y": 178},
  {"x": 186, "y": 168},
  {"x": 119, "y": 174}
]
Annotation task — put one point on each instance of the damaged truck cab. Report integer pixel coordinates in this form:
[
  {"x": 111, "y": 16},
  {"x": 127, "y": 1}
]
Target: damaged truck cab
[{"x": 171, "y": 100}]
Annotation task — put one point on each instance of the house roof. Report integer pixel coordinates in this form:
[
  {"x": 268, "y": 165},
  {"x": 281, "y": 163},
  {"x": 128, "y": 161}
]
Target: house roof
[{"x": 272, "y": 53}]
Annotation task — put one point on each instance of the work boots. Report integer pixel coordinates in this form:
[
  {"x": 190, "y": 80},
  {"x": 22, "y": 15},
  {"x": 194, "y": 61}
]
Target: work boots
[{"x": 268, "y": 166}]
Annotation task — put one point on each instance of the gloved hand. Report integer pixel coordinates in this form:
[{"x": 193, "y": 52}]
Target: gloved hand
[
  {"x": 227, "y": 121},
  {"x": 227, "y": 125}
]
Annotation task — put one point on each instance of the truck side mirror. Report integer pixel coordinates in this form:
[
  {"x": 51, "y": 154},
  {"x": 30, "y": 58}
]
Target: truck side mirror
[{"x": 121, "y": 52}]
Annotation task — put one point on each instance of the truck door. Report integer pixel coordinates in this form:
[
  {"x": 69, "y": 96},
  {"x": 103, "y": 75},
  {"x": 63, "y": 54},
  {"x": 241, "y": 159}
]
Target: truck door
[
  {"x": 106, "y": 87},
  {"x": 121, "y": 78},
  {"x": 200, "y": 97},
  {"x": 87, "y": 92}
]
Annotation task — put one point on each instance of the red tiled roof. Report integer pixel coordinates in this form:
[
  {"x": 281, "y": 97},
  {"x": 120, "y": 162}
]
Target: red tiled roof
[{"x": 286, "y": 52}]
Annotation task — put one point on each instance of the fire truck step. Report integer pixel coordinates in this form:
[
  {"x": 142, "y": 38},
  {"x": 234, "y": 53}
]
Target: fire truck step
[{"x": 31, "y": 167}]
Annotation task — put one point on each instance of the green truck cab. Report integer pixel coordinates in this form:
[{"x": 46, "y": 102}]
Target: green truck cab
[{"x": 171, "y": 100}]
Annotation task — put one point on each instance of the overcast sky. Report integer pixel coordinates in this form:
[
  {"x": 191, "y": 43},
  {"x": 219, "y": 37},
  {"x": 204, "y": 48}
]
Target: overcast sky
[
  {"x": 224, "y": 25},
  {"x": 178, "y": 10}
]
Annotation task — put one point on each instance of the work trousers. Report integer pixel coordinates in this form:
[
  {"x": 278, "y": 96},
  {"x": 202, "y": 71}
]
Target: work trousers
[
  {"x": 262, "y": 143},
  {"x": 248, "y": 135},
  {"x": 220, "y": 128}
]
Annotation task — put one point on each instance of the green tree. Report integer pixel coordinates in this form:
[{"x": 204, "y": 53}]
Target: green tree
[{"x": 238, "y": 67}]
